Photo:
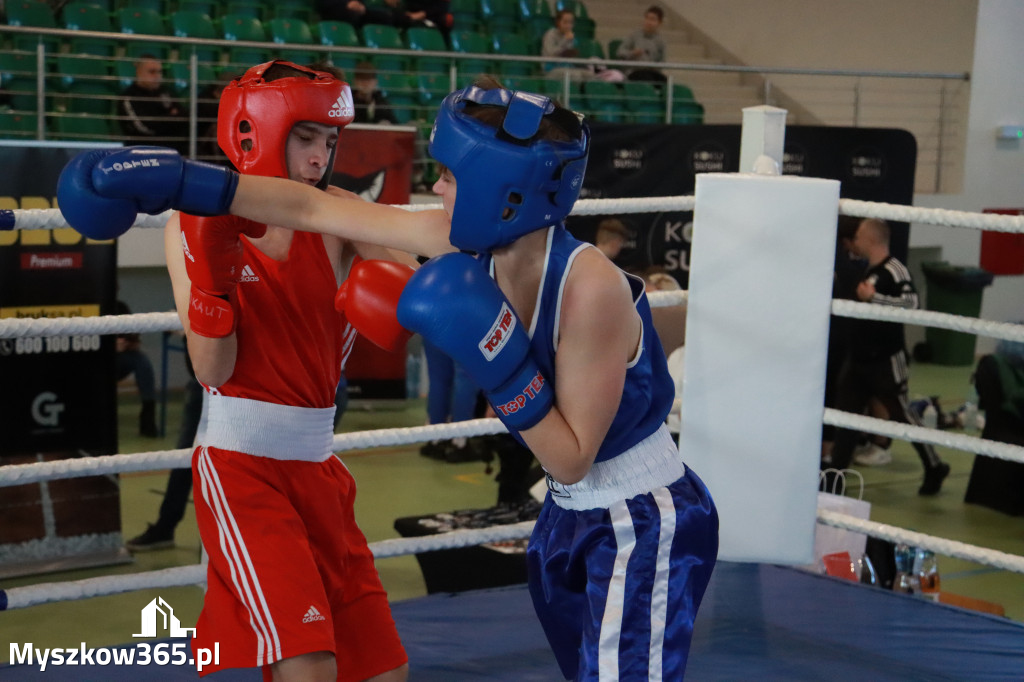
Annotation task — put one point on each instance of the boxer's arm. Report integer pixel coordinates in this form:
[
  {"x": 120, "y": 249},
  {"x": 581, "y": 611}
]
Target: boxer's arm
[
  {"x": 212, "y": 359},
  {"x": 598, "y": 335},
  {"x": 291, "y": 204}
]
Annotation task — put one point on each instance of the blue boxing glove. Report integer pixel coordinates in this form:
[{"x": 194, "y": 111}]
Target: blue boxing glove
[
  {"x": 453, "y": 303},
  {"x": 100, "y": 192}
]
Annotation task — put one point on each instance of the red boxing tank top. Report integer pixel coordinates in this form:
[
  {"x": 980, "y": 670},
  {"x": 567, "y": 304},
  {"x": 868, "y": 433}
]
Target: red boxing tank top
[{"x": 291, "y": 340}]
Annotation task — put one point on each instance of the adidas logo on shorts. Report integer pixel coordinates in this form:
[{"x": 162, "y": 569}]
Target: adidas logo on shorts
[
  {"x": 248, "y": 275},
  {"x": 312, "y": 615}
]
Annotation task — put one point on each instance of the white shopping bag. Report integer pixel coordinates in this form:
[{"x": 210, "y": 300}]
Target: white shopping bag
[{"x": 829, "y": 540}]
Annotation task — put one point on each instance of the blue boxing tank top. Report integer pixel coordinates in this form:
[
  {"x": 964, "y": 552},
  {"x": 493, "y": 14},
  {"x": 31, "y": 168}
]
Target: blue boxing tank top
[{"x": 649, "y": 390}]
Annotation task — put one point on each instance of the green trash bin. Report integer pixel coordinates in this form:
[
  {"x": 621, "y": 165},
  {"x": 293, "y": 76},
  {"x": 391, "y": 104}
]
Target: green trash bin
[{"x": 957, "y": 290}]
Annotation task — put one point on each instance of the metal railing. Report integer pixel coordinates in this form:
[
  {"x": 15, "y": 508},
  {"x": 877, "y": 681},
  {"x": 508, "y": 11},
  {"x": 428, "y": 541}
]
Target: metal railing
[{"x": 47, "y": 102}]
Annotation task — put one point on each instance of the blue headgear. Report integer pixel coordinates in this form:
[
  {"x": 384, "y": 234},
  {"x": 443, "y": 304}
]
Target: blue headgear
[{"x": 508, "y": 183}]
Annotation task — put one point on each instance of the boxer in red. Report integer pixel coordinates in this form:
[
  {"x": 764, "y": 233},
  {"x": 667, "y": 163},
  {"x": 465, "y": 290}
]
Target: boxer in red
[{"x": 292, "y": 587}]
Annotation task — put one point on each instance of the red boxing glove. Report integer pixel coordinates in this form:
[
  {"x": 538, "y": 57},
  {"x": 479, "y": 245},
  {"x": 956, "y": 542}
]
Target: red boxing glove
[
  {"x": 369, "y": 299},
  {"x": 213, "y": 260}
]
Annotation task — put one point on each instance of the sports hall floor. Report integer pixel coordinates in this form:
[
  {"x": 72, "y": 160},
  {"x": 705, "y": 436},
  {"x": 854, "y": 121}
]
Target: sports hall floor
[{"x": 397, "y": 482}]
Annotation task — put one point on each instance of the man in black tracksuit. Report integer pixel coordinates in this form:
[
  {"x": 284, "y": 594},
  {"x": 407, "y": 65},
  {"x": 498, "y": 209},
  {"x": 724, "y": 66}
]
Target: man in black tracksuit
[
  {"x": 876, "y": 360},
  {"x": 147, "y": 111}
]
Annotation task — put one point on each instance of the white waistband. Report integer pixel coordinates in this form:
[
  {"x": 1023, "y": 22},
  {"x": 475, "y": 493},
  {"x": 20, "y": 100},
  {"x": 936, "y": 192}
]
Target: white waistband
[
  {"x": 650, "y": 464},
  {"x": 269, "y": 430}
]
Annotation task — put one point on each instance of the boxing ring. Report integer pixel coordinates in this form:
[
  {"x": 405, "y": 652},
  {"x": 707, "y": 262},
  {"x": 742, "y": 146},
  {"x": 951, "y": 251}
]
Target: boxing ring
[{"x": 759, "y": 620}]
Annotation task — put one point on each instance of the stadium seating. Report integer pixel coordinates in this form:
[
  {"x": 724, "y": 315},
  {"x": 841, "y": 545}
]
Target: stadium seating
[{"x": 196, "y": 24}]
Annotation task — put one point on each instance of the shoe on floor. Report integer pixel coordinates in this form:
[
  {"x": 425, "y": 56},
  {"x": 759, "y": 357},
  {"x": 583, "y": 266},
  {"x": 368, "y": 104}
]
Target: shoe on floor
[
  {"x": 933, "y": 479},
  {"x": 153, "y": 538},
  {"x": 433, "y": 449},
  {"x": 872, "y": 456}
]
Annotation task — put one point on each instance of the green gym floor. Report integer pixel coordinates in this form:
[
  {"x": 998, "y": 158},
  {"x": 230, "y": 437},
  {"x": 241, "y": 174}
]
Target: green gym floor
[{"x": 398, "y": 482}]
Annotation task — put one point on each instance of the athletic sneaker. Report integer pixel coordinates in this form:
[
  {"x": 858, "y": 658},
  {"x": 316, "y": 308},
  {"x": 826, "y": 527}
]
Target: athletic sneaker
[
  {"x": 153, "y": 538},
  {"x": 933, "y": 479},
  {"x": 872, "y": 456}
]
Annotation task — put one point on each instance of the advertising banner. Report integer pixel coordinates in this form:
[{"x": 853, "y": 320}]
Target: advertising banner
[
  {"x": 663, "y": 160},
  {"x": 60, "y": 392}
]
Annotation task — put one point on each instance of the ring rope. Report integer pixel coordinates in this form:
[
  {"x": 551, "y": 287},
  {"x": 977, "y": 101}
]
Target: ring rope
[
  {"x": 166, "y": 322},
  {"x": 924, "y": 434},
  {"x": 952, "y": 548},
  {"x": 157, "y": 460},
  {"x": 22, "y": 597},
  {"x": 195, "y": 574},
  {"x": 51, "y": 218}
]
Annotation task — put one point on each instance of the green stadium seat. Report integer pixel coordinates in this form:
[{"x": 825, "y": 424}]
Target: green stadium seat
[
  {"x": 84, "y": 16},
  {"x": 250, "y": 29},
  {"x": 465, "y": 15},
  {"x": 210, "y": 8},
  {"x": 340, "y": 34},
  {"x": 143, "y": 22},
  {"x": 514, "y": 44},
  {"x": 427, "y": 39},
  {"x": 17, "y": 124},
  {"x": 529, "y": 9},
  {"x": 386, "y": 38},
  {"x": 500, "y": 16},
  {"x": 86, "y": 127},
  {"x": 74, "y": 68},
  {"x": 613, "y": 48},
  {"x": 18, "y": 80},
  {"x": 588, "y": 47},
  {"x": 195, "y": 24},
  {"x": 34, "y": 13},
  {"x": 254, "y": 9},
  {"x": 91, "y": 97},
  {"x": 687, "y": 113},
  {"x": 644, "y": 102},
  {"x": 432, "y": 88},
  {"x": 293, "y": 9},
  {"x": 158, "y": 6},
  {"x": 401, "y": 95},
  {"x": 471, "y": 42},
  {"x": 294, "y": 32},
  {"x": 604, "y": 101},
  {"x": 181, "y": 76}
]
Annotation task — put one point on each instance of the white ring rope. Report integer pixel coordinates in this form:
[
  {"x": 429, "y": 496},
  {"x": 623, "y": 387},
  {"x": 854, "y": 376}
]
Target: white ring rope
[
  {"x": 924, "y": 434},
  {"x": 187, "y": 575},
  {"x": 180, "y": 576},
  {"x": 51, "y": 218},
  {"x": 158, "y": 460}
]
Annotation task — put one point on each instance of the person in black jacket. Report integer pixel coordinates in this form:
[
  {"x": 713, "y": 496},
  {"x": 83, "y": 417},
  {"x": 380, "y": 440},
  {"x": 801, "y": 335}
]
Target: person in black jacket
[{"x": 148, "y": 113}]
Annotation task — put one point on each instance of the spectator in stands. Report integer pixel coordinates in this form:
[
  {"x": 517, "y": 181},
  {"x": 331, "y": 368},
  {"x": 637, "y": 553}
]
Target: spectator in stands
[
  {"x": 371, "y": 104},
  {"x": 612, "y": 237},
  {"x": 560, "y": 41},
  {"x": 354, "y": 12},
  {"x": 131, "y": 360},
  {"x": 149, "y": 114},
  {"x": 645, "y": 45},
  {"x": 426, "y": 13}
]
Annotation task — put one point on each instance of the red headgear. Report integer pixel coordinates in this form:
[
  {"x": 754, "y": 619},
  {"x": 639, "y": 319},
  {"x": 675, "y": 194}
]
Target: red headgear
[{"x": 256, "y": 115}]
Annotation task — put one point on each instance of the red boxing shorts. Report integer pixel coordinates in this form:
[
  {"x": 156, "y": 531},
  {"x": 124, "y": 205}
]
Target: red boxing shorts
[{"x": 290, "y": 573}]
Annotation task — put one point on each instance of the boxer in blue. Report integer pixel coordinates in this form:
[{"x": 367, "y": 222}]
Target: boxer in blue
[{"x": 561, "y": 342}]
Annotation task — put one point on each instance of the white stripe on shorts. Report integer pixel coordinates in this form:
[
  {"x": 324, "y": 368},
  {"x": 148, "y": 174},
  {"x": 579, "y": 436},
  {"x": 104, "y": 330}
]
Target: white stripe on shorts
[
  {"x": 243, "y": 575},
  {"x": 659, "y": 592},
  {"x": 611, "y": 621}
]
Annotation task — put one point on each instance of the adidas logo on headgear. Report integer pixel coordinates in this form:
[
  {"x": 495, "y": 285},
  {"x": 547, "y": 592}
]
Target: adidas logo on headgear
[
  {"x": 342, "y": 108},
  {"x": 312, "y": 615}
]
